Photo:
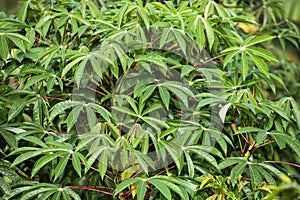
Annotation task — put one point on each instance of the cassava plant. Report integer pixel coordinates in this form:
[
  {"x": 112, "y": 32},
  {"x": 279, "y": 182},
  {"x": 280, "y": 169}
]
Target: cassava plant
[{"x": 147, "y": 100}]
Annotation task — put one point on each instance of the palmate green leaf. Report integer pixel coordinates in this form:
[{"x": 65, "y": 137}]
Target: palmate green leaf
[
  {"x": 79, "y": 71},
  {"x": 231, "y": 161},
  {"x": 15, "y": 36},
  {"x": 198, "y": 150},
  {"x": 144, "y": 161},
  {"x": 30, "y": 34},
  {"x": 21, "y": 150},
  {"x": 79, "y": 18},
  {"x": 296, "y": 111},
  {"x": 18, "y": 42},
  {"x": 248, "y": 129},
  {"x": 132, "y": 102},
  {"x": 251, "y": 37},
  {"x": 35, "y": 140},
  {"x": 95, "y": 155},
  {"x": 124, "y": 110},
  {"x": 44, "y": 24},
  {"x": 120, "y": 53},
  {"x": 65, "y": 195},
  {"x": 121, "y": 15},
  {"x": 35, "y": 79},
  {"x": 72, "y": 194},
  {"x": 236, "y": 172},
  {"x": 263, "y": 53},
  {"x": 4, "y": 186},
  {"x": 270, "y": 168},
  {"x": 74, "y": 26},
  {"x": 163, "y": 189},
  {"x": 200, "y": 37},
  {"x": 164, "y": 37},
  {"x": 231, "y": 49},
  {"x": 190, "y": 164},
  {"x": 260, "y": 137},
  {"x": 180, "y": 191},
  {"x": 59, "y": 146},
  {"x": 277, "y": 110},
  {"x": 83, "y": 7},
  {"x": 93, "y": 9},
  {"x": 145, "y": 92},
  {"x": 57, "y": 196},
  {"x": 229, "y": 57},
  {"x": 32, "y": 153},
  {"x": 209, "y": 101},
  {"x": 145, "y": 17},
  {"x": 209, "y": 9},
  {"x": 141, "y": 190},
  {"x": 125, "y": 184},
  {"x": 162, "y": 7},
  {"x": 102, "y": 111},
  {"x": 279, "y": 81},
  {"x": 61, "y": 107},
  {"x": 40, "y": 111},
  {"x": 12, "y": 23},
  {"x": 181, "y": 41},
  {"x": 102, "y": 165},
  {"x": 76, "y": 163},
  {"x": 44, "y": 191},
  {"x": 283, "y": 139},
  {"x": 261, "y": 65},
  {"x": 155, "y": 123},
  {"x": 165, "y": 96},
  {"x": 209, "y": 33},
  {"x": 22, "y": 12},
  {"x": 187, "y": 185},
  {"x": 15, "y": 192},
  {"x": 4, "y": 47},
  {"x": 174, "y": 151},
  {"x": 268, "y": 177},
  {"x": 9, "y": 138},
  {"x": 186, "y": 69},
  {"x": 183, "y": 93},
  {"x": 223, "y": 112},
  {"x": 91, "y": 117},
  {"x": 22, "y": 92},
  {"x": 36, "y": 192},
  {"x": 155, "y": 59},
  {"x": 103, "y": 22},
  {"x": 30, "y": 185},
  {"x": 171, "y": 7},
  {"x": 10, "y": 175},
  {"x": 152, "y": 107},
  {"x": 224, "y": 13},
  {"x": 222, "y": 140},
  {"x": 47, "y": 55},
  {"x": 41, "y": 162},
  {"x": 16, "y": 108},
  {"x": 223, "y": 143},
  {"x": 73, "y": 117},
  {"x": 245, "y": 67},
  {"x": 179, "y": 86},
  {"x": 256, "y": 178},
  {"x": 60, "y": 168},
  {"x": 258, "y": 39},
  {"x": 82, "y": 58}
]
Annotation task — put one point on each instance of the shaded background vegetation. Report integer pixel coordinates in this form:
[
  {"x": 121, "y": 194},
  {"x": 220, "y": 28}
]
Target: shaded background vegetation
[{"x": 9, "y": 6}]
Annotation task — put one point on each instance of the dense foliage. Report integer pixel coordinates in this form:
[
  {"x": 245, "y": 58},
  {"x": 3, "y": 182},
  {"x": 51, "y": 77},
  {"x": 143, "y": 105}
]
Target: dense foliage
[{"x": 148, "y": 100}]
